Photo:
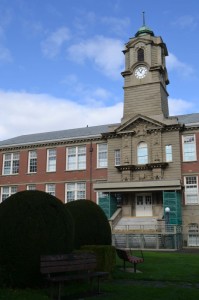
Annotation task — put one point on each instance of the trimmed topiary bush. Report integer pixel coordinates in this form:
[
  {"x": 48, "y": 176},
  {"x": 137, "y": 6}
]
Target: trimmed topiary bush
[
  {"x": 106, "y": 256},
  {"x": 32, "y": 223},
  {"x": 91, "y": 224}
]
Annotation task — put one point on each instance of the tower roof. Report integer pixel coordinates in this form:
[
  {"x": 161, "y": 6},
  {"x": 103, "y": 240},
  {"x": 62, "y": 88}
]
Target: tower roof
[{"x": 144, "y": 29}]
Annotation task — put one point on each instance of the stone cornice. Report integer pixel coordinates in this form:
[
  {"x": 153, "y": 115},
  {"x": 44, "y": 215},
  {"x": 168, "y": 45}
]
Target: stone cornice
[
  {"x": 49, "y": 144},
  {"x": 151, "y": 166},
  {"x": 190, "y": 127},
  {"x": 126, "y": 73},
  {"x": 165, "y": 128}
]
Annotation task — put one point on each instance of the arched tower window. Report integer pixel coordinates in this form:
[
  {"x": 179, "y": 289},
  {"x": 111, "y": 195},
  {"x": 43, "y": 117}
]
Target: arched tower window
[
  {"x": 140, "y": 54},
  {"x": 142, "y": 153}
]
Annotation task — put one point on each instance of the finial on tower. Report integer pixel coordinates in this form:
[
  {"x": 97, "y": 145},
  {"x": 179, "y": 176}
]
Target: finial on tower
[
  {"x": 143, "y": 18},
  {"x": 144, "y": 29}
]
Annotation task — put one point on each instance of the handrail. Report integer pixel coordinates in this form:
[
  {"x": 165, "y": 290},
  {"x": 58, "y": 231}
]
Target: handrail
[
  {"x": 115, "y": 217},
  {"x": 146, "y": 228}
]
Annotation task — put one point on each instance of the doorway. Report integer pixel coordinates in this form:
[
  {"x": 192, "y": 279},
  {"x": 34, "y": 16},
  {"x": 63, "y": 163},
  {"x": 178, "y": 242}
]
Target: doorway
[{"x": 143, "y": 205}]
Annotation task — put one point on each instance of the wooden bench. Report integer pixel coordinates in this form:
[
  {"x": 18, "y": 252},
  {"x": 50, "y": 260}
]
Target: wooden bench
[
  {"x": 127, "y": 256},
  {"x": 70, "y": 267}
]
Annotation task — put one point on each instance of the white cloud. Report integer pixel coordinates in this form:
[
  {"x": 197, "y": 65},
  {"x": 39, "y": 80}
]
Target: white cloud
[
  {"x": 5, "y": 55},
  {"x": 174, "y": 64},
  {"x": 86, "y": 93},
  {"x": 117, "y": 26},
  {"x": 105, "y": 53},
  {"x": 180, "y": 107},
  {"x": 186, "y": 21},
  {"x": 25, "y": 113},
  {"x": 85, "y": 22},
  {"x": 52, "y": 45}
]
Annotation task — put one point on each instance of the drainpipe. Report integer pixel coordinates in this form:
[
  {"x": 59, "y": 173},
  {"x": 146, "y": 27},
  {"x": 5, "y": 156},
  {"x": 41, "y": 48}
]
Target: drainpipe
[{"x": 91, "y": 169}]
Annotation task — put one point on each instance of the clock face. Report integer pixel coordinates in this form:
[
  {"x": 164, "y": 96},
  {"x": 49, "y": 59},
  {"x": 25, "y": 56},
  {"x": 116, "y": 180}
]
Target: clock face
[{"x": 140, "y": 72}]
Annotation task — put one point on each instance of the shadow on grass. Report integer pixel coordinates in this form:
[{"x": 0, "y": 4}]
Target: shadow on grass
[{"x": 163, "y": 276}]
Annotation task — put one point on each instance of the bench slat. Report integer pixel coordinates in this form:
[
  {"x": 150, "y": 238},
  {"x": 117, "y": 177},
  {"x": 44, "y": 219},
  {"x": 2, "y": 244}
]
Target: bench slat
[{"x": 67, "y": 267}]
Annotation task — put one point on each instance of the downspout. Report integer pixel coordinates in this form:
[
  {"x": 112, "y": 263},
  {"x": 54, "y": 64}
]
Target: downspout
[{"x": 91, "y": 169}]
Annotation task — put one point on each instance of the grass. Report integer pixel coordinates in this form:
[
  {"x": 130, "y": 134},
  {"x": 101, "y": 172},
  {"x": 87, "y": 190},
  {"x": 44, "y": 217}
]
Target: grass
[{"x": 163, "y": 276}]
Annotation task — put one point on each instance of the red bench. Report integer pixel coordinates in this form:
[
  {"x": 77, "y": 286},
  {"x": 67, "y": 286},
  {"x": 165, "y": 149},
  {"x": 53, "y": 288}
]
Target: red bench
[{"x": 127, "y": 256}]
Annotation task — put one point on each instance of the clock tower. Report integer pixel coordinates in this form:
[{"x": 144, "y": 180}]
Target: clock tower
[{"x": 145, "y": 76}]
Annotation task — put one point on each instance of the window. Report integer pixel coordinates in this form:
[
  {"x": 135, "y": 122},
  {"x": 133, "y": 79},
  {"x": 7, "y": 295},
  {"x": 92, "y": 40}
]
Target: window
[
  {"x": 75, "y": 191},
  {"x": 102, "y": 198},
  {"x": 76, "y": 158},
  {"x": 31, "y": 187},
  {"x": 11, "y": 163},
  {"x": 140, "y": 54},
  {"x": 193, "y": 240},
  {"x": 51, "y": 160},
  {"x": 102, "y": 155},
  {"x": 142, "y": 153},
  {"x": 32, "y": 165},
  {"x": 191, "y": 190},
  {"x": 50, "y": 188},
  {"x": 7, "y": 191},
  {"x": 189, "y": 148},
  {"x": 168, "y": 152},
  {"x": 193, "y": 236},
  {"x": 117, "y": 157}
]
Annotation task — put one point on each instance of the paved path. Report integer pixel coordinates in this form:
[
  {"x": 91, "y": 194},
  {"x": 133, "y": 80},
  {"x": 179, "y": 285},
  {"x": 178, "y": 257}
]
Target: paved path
[{"x": 156, "y": 283}]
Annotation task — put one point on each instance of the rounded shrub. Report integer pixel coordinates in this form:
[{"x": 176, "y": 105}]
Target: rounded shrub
[
  {"x": 32, "y": 223},
  {"x": 91, "y": 224}
]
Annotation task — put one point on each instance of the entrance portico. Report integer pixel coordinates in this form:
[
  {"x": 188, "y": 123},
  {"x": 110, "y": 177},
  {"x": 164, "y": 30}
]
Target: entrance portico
[{"x": 138, "y": 199}]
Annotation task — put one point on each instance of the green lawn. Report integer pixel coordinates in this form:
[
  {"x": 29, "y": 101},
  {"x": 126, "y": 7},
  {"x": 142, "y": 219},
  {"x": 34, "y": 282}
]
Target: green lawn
[{"x": 163, "y": 276}]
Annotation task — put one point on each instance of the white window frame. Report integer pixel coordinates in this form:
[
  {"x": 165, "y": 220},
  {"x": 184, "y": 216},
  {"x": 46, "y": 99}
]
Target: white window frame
[
  {"x": 189, "y": 154},
  {"x": 102, "y": 155},
  {"x": 142, "y": 153},
  {"x": 76, "y": 158},
  {"x": 169, "y": 153},
  {"x": 117, "y": 157},
  {"x": 31, "y": 187},
  {"x": 51, "y": 188},
  {"x": 32, "y": 158},
  {"x": 193, "y": 235},
  {"x": 51, "y": 160},
  {"x": 191, "y": 190},
  {"x": 11, "y": 163},
  {"x": 75, "y": 191},
  {"x": 8, "y": 191},
  {"x": 193, "y": 240}
]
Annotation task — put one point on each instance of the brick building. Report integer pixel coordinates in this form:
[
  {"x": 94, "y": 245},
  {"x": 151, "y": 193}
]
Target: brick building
[{"x": 135, "y": 169}]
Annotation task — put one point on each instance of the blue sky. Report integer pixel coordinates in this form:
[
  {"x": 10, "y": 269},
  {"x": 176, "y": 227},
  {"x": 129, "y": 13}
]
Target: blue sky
[{"x": 60, "y": 60}]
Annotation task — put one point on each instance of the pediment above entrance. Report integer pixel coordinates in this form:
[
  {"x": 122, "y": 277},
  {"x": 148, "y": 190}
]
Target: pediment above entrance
[{"x": 139, "y": 125}]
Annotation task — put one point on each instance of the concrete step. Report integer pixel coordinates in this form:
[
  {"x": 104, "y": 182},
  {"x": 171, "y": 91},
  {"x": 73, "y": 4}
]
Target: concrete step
[{"x": 136, "y": 223}]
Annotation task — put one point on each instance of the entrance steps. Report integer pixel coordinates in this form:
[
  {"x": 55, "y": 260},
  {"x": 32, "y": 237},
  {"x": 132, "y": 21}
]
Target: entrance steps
[
  {"x": 136, "y": 223},
  {"x": 141, "y": 232}
]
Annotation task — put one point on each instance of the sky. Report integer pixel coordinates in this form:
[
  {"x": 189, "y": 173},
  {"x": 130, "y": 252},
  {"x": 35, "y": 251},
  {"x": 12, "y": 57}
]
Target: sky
[{"x": 61, "y": 60}]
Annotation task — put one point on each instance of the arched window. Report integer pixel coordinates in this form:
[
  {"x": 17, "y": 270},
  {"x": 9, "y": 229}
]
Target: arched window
[
  {"x": 142, "y": 153},
  {"x": 140, "y": 54}
]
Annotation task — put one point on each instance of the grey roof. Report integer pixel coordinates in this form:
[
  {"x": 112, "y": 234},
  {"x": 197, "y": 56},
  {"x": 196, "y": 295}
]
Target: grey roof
[
  {"x": 189, "y": 119},
  {"x": 78, "y": 133},
  {"x": 61, "y": 135}
]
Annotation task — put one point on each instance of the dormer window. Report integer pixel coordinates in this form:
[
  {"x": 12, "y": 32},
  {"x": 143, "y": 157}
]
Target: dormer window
[{"x": 140, "y": 54}]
